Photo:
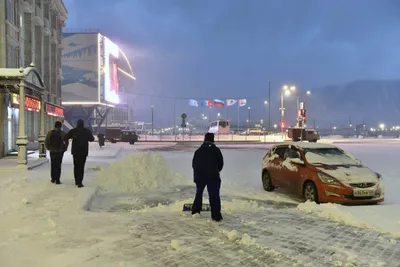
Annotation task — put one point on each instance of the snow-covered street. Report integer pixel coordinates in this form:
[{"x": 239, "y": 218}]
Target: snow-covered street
[{"x": 129, "y": 214}]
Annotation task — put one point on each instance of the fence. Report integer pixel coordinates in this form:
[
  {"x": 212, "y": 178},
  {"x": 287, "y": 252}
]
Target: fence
[{"x": 196, "y": 137}]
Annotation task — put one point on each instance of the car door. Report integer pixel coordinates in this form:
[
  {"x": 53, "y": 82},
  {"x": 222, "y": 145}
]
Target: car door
[
  {"x": 275, "y": 168},
  {"x": 292, "y": 172}
]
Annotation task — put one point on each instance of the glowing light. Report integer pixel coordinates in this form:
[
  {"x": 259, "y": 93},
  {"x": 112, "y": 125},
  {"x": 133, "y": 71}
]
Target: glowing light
[
  {"x": 287, "y": 93},
  {"x": 110, "y": 84},
  {"x": 308, "y": 92},
  {"x": 382, "y": 126},
  {"x": 265, "y": 102},
  {"x": 129, "y": 64},
  {"x": 292, "y": 88},
  {"x": 127, "y": 74},
  {"x": 86, "y": 103}
]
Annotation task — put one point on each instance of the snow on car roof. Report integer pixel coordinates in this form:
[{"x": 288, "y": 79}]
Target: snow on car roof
[{"x": 308, "y": 145}]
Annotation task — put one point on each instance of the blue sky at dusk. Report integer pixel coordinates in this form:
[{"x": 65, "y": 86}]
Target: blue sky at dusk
[{"x": 231, "y": 48}]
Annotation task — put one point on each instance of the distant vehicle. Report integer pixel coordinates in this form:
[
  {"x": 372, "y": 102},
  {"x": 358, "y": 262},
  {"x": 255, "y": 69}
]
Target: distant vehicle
[
  {"x": 321, "y": 173},
  {"x": 219, "y": 127},
  {"x": 310, "y": 135},
  {"x": 115, "y": 135},
  {"x": 253, "y": 131}
]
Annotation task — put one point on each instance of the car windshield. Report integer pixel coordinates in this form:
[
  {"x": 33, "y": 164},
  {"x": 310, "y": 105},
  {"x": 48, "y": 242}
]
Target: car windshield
[{"x": 329, "y": 156}]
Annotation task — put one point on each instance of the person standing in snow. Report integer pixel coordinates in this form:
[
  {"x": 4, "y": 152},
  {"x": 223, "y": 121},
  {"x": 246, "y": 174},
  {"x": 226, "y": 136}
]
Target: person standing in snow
[
  {"x": 81, "y": 137},
  {"x": 55, "y": 143},
  {"x": 207, "y": 164}
]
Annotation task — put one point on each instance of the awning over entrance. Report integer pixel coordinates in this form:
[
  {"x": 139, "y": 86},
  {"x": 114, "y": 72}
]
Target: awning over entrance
[{"x": 24, "y": 89}]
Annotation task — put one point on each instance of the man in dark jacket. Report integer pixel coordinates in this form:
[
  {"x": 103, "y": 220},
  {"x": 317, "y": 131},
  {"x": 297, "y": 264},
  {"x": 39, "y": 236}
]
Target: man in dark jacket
[
  {"x": 56, "y": 143},
  {"x": 207, "y": 164},
  {"x": 81, "y": 137}
]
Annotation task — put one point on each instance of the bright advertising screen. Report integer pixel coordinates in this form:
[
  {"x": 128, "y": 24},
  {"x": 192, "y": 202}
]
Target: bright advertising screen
[{"x": 111, "y": 55}]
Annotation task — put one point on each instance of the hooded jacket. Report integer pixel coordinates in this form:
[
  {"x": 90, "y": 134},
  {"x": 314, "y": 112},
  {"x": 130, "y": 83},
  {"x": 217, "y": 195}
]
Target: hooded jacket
[
  {"x": 207, "y": 160},
  {"x": 81, "y": 137}
]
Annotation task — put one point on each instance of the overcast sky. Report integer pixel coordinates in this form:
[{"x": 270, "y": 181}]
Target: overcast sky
[{"x": 231, "y": 48}]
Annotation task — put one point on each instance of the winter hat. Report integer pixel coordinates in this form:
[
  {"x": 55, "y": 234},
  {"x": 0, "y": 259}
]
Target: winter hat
[{"x": 209, "y": 137}]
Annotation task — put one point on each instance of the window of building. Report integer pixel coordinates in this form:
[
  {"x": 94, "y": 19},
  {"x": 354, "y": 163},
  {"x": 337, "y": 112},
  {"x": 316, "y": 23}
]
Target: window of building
[
  {"x": 12, "y": 57},
  {"x": 12, "y": 11}
]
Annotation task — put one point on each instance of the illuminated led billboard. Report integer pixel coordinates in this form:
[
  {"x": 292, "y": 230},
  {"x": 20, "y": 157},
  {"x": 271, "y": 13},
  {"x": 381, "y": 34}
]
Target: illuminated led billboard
[{"x": 111, "y": 56}]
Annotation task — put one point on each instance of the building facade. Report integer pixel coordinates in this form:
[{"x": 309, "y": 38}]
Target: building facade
[{"x": 30, "y": 37}]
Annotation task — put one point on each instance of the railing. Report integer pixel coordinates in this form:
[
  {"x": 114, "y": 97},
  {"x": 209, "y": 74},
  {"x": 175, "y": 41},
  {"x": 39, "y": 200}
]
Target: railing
[{"x": 196, "y": 137}]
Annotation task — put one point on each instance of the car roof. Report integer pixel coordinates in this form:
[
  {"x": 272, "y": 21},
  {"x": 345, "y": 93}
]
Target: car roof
[{"x": 303, "y": 145}]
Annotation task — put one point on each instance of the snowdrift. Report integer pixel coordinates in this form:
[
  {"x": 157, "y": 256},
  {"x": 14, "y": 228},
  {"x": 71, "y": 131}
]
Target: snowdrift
[{"x": 139, "y": 172}]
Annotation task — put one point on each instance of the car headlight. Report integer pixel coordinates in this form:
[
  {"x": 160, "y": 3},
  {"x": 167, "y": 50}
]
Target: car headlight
[{"x": 327, "y": 179}]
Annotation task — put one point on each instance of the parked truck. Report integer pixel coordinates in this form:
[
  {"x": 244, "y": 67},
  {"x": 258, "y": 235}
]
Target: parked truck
[
  {"x": 301, "y": 134},
  {"x": 115, "y": 135}
]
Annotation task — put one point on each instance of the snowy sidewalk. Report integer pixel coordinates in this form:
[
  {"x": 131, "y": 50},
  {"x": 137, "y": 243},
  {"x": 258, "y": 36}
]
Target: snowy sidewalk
[{"x": 10, "y": 163}]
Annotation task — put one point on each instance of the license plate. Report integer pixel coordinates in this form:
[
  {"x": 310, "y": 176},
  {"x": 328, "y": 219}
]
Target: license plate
[{"x": 363, "y": 192}]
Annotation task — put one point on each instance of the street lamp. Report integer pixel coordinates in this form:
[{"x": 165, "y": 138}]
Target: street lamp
[
  {"x": 284, "y": 91},
  {"x": 152, "y": 120},
  {"x": 266, "y": 105},
  {"x": 382, "y": 126},
  {"x": 249, "y": 116}
]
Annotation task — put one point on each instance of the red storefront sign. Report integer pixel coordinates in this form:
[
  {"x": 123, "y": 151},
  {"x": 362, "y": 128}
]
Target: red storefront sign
[
  {"x": 55, "y": 111},
  {"x": 31, "y": 104}
]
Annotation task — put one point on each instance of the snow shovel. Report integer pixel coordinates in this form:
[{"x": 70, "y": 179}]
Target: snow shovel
[{"x": 189, "y": 207}]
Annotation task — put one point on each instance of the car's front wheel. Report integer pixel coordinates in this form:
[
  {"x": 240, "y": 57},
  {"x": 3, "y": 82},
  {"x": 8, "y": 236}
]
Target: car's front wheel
[
  {"x": 267, "y": 182},
  {"x": 310, "y": 192}
]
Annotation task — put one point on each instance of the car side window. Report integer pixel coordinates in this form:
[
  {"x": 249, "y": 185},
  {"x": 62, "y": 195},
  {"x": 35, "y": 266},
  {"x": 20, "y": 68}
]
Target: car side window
[
  {"x": 280, "y": 151},
  {"x": 292, "y": 153}
]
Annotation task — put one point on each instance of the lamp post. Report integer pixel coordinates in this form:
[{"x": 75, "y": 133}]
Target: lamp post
[
  {"x": 286, "y": 90},
  {"x": 266, "y": 104},
  {"x": 152, "y": 120},
  {"x": 249, "y": 116}
]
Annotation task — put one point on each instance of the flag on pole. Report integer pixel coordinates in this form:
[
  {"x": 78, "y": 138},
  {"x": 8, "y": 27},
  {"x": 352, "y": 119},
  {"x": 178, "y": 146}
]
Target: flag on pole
[
  {"x": 242, "y": 102},
  {"x": 231, "y": 102},
  {"x": 193, "y": 103},
  {"x": 219, "y": 103},
  {"x": 206, "y": 103}
]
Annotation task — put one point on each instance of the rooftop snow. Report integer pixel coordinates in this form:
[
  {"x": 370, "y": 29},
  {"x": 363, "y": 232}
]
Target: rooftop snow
[{"x": 310, "y": 145}]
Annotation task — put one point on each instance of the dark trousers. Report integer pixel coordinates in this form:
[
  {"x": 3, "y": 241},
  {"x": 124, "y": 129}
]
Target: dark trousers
[
  {"x": 213, "y": 187},
  {"x": 79, "y": 168},
  {"x": 56, "y": 161}
]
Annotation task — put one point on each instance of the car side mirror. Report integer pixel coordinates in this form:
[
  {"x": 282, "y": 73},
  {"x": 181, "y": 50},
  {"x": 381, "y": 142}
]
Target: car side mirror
[{"x": 297, "y": 161}]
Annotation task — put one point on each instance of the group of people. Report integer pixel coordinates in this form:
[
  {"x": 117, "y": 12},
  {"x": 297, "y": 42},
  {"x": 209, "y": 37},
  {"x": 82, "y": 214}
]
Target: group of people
[
  {"x": 57, "y": 142},
  {"x": 207, "y": 163}
]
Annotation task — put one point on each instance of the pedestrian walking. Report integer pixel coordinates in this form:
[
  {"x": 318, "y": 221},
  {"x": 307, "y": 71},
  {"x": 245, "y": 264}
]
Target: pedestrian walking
[
  {"x": 56, "y": 143},
  {"x": 81, "y": 137},
  {"x": 207, "y": 165},
  {"x": 101, "y": 139}
]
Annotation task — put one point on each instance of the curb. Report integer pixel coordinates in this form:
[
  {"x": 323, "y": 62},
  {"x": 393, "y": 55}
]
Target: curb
[
  {"x": 88, "y": 204},
  {"x": 116, "y": 154},
  {"x": 38, "y": 163}
]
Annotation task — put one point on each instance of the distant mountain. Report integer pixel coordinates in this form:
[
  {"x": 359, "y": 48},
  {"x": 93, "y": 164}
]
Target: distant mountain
[{"x": 375, "y": 101}]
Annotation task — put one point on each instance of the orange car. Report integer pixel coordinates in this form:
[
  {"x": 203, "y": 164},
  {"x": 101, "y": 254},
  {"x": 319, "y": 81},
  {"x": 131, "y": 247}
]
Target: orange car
[{"x": 320, "y": 173}]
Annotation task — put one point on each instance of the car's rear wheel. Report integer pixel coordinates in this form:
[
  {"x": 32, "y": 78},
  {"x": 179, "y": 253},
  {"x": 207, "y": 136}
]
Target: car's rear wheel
[
  {"x": 267, "y": 182},
  {"x": 310, "y": 192}
]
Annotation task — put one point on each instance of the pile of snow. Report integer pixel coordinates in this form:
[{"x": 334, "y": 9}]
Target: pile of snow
[
  {"x": 332, "y": 212},
  {"x": 139, "y": 172}
]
